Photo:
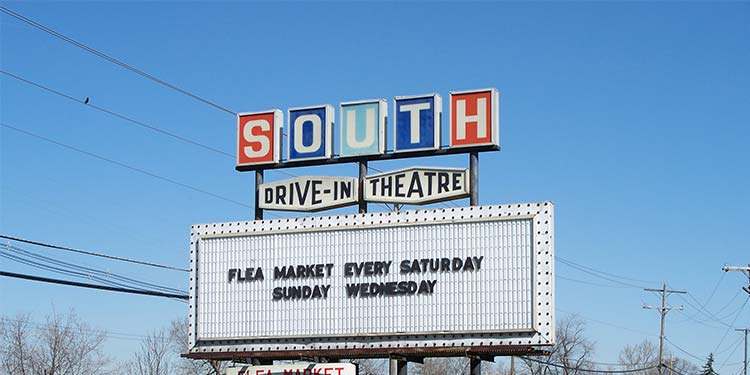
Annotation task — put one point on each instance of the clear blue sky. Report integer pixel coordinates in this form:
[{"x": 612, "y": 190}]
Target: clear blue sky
[{"x": 632, "y": 117}]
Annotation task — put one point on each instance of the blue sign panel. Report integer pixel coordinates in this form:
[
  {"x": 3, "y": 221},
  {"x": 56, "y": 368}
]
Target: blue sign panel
[
  {"x": 310, "y": 133},
  {"x": 363, "y": 128},
  {"x": 417, "y": 123}
]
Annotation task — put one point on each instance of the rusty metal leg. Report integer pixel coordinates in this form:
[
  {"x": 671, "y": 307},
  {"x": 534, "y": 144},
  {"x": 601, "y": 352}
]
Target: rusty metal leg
[
  {"x": 397, "y": 367},
  {"x": 258, "y": 182},
  {"x": 475, "y": 366}
]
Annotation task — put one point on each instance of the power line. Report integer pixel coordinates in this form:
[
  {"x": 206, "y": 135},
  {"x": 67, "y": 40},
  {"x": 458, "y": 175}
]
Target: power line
[
  {"x": 123, "y": 165},
  {"x": 69, "y": 272},
  {"x": 590, "y": 283},
  {"x": 673, "y": 370},
  {"x": 733, "y": 321},
  {"x": 588, "y": 370},
  {"x": 574, "y": 264},
  {"x": 85, "y": 252},
  {"x": 106, "y": 333},
  {"x": 596, "y": 273},
  {"x": 87, "y": 270},
  {"x": 604, "y": 323},
  {"x": 683, "y": 350},
  {"x": 111, "y": 113},
  {"x": 713, "y": 292},
  {"x": 111, "y": 59},
  {"x": 92, "y": 286}
]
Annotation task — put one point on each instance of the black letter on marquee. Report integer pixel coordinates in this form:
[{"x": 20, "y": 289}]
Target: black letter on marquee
[{"x": 415, "y": 186}]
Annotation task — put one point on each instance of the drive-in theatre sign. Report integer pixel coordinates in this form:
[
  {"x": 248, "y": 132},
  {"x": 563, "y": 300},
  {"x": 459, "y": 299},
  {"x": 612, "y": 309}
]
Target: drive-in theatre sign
[{"x": 411, "y": 282}]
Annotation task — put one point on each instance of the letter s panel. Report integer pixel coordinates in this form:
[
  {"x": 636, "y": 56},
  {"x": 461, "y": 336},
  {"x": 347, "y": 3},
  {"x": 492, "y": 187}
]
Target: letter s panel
[
  {"x": 474, "y": 118},
  {"x": 258, "y": 137},
  {"x": 310, "y": 133}
]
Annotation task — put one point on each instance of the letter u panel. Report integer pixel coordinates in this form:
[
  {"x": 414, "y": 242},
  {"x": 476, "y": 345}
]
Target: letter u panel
[
  {"x": 457, "y": 276},
  {"x": 362, "y": 127},
  {"x": 416, "y": 122},
  {"x": 474, "y": 118},
  {"x": 310, "y": 133},
  {"x": 259, "y": 137}
]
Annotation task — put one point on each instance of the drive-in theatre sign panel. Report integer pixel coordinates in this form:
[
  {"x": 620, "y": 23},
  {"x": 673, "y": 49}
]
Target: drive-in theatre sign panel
[{"x": 468, "y": 276}]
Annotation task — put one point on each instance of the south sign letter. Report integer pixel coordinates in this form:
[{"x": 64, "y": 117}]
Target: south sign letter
[
  {"x": 258, "y": 140},
  {"x": 474, "y": 118},
  {"x": 416, "y": 122},
  {"x": 310, "y": 133},
  {"x": 363, "y": 128}
]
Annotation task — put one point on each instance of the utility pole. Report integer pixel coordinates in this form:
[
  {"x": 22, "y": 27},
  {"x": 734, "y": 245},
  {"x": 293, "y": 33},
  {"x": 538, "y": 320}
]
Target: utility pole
[
  {"x": 745, "y": 270},
  {"x": 744, "y": 330},
  {"x": 663, "y": 312}
]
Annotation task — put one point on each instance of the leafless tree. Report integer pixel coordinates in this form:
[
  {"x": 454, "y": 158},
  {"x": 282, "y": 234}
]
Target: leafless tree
[
  {"x": 443, "y": 366},
  {"x": 642, "y": 355},
  {"x": 178, "y": 334},
  {"x": 571, "y": 355},
  {"x": 16, "y": 346},
  {"x": 371, "y": 366},
  {"x": 646, "y": 354},
  {"x": 153, "y": 358},
  {"x": 62, "y": 345}
]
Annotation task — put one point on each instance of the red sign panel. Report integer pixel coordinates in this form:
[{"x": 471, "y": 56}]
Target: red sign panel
[
  {"x": 258, "y": 138},
  {"x": 473, "y": 118}
]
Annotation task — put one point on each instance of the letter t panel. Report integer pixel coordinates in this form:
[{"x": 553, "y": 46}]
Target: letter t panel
[
  {"x": 416, "y": 122},
  {"x": 474, "y": 118}
]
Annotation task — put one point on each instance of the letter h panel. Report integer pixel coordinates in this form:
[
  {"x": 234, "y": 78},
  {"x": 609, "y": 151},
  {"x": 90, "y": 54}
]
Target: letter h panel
[{"x": 474, "y": 118}]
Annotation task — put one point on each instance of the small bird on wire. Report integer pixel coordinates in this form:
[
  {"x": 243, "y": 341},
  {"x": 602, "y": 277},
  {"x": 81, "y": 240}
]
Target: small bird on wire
[{"x": 86, "y": 101}]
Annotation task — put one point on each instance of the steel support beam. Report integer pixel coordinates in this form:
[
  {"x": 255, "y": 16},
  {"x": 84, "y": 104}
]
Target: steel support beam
[
  {"x": 258, "y": 182},
  {"x": 474, "y": 178},
  {"x": 397, "y": 367},
  {"x": 362, "y": 175}
]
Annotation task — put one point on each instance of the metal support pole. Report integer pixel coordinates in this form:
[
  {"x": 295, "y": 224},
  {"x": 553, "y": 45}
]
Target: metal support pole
[
  {"x": 397, "y": 367},
  {"x": 663, "y": 312},
  {"x": 475, "y": 366},
  {"x": 474, "y": 178},
  {"x": 745, "y": 330},
  {"x": 362, "y": 175},
  {"x": 661, "y": 335},
  {"x": 258, "y": 182}
]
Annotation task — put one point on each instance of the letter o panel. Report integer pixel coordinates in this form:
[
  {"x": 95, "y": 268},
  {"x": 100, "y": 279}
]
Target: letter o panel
[{"x": 310, "y": 133}]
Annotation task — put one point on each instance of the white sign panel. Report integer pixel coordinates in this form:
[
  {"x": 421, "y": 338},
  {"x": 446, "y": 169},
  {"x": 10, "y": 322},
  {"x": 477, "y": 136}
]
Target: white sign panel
[
  {"x": 417, "y": 185},
  {"x": 296, "y": 369},
  {"x": 448, "y": 277},
  {"x": 309, "y": 193}
]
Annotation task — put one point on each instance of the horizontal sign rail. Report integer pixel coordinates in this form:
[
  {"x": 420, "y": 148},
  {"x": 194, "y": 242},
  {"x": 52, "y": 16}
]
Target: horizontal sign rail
[{"x": 355, "y": 159}]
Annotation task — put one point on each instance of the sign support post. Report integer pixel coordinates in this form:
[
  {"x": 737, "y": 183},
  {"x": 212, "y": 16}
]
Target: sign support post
[
  {"x": 474, "y": 178},
  {"x": 362, "y": 176},
  {"x": 397, "y": 366},
  {"x": 258, "y": 183}
]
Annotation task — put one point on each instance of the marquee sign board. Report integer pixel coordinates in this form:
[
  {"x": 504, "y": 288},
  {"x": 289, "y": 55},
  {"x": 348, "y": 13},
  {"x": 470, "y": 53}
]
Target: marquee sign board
[
  {"x": 473, "y": 124},
  {"x": 309, "y": 193},
  {"x": 417, "y": 185},
  {"x": 468, "y": 276},
  {"x": 296, "y": 369}
]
